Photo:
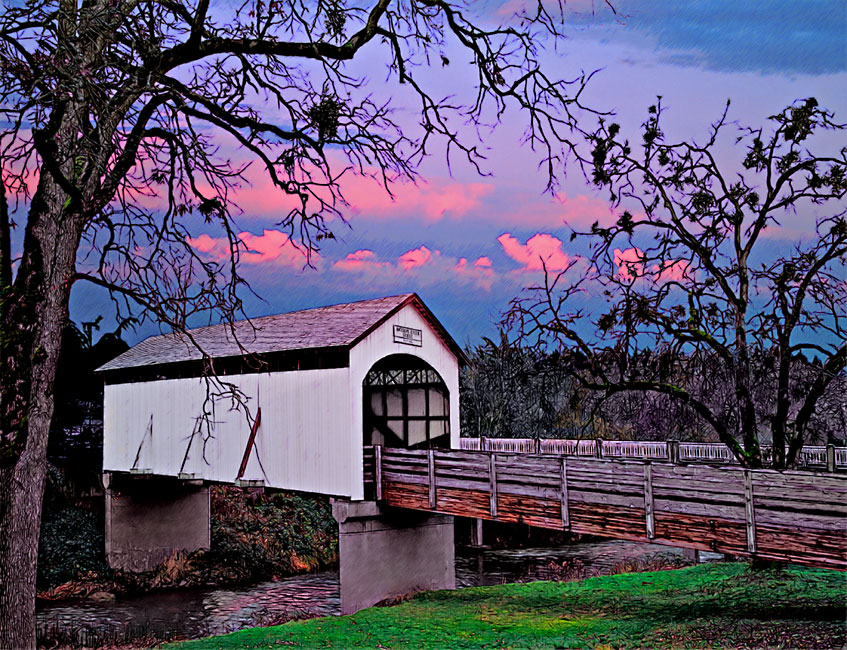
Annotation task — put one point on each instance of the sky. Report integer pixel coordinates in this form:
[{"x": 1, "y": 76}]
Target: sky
[{"x": 468, "y": 244}]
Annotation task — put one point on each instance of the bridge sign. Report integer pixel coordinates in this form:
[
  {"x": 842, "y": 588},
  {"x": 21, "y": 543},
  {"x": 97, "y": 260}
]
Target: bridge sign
[{"x": 408, "y": 335}]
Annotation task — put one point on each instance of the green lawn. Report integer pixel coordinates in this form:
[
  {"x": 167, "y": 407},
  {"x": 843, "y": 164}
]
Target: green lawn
[{"x": 708, "y": 606}]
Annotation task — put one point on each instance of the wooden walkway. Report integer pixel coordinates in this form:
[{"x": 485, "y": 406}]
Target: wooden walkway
[{"x": 792, "y": 516}]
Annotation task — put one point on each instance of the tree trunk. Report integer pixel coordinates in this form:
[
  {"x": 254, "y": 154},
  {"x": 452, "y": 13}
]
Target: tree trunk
[
  {"x": 21, "y": 489},
  {"x": 33, "y": 320}
]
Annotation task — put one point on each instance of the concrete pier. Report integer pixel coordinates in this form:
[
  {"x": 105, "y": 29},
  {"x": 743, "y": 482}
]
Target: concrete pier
[
  {"x": 385, "y": 553},
  {"x": 150, "y": 518}
]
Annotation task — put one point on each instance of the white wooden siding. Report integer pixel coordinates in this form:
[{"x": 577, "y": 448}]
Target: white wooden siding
[{"x": 301, "y": 441}]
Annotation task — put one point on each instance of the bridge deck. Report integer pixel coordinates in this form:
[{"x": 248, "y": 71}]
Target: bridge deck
[{"x": 791, "y": 516}]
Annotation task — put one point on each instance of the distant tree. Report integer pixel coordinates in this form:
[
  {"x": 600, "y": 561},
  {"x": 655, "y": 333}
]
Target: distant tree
[
  {"x": 109, "y": 104},
  {"x": 515, "y": 392},
  {"x": 690, "y": 300},
  {"x": 76, "y": 433}
]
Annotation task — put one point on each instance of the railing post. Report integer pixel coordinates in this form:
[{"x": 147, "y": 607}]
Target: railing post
[
  {"x": 648, "y": 500},
  {"x": 483, "y": 443},
  {"x": 378, "y": 471},
  {"x": 673, "y": 451},
  {"x": 430, "y": 459},
  {"x": 563, "y": 496},
  {"x": 492, "y": 484},
  {"x": 750, "y": 511},
  {"x": 538, "y": 445},
  {"x": 830, "y": 457},
  {"x": 598, "y": 448}
]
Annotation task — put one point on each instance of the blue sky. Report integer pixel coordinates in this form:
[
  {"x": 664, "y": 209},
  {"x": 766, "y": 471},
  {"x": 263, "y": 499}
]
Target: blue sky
[{"x": 467, "y": 243}]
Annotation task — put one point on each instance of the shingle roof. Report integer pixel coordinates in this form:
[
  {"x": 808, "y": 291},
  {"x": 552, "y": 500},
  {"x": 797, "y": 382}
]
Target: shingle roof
[{"x": 332, "y": 326}]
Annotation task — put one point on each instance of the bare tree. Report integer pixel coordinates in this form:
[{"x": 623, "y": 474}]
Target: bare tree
[
  {"x": 691, "y": 295},
  {"x": 108, "y": 105}
]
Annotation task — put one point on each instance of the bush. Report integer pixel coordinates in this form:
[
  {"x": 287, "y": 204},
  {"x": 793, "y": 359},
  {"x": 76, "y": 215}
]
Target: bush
[
  {"x": 72, "y": 538},
  {"x": 258, "y": 536}
]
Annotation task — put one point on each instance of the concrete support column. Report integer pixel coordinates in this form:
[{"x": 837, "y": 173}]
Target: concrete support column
[
  {"x": 150, "y": 518},
  {"x": 385, "y": 553}
]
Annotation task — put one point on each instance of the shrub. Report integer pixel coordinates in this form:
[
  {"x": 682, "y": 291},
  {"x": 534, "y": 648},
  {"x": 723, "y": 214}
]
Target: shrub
[
  {"x": 256, "y": 536},
  {"x": 72, "y": 538}
]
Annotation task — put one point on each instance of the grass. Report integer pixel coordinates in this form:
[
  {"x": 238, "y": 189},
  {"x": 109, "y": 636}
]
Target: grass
[{"x": 707, "y": 606}]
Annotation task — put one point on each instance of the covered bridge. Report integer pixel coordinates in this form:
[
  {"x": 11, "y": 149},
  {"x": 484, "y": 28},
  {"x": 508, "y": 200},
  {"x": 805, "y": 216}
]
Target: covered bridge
[
  {"x": 327, "y": 380},
  {"x": 316, "y": 385}
]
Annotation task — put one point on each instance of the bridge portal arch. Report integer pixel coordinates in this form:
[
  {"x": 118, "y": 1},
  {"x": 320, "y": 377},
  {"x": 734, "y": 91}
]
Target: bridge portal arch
[{"x": 405, "y": 403}]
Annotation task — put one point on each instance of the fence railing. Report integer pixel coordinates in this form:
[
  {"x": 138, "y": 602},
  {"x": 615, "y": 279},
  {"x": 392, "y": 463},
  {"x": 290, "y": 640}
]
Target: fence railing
[
  {"x": 826, "y": 457},
  {"x": 790, "y": 516}
]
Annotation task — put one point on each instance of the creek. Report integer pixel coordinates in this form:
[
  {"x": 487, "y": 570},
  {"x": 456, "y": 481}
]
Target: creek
[{"x": 192, "y": 613}]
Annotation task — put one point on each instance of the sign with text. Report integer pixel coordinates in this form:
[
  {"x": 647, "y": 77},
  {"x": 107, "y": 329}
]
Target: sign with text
[{"x": 407, "y": 336}]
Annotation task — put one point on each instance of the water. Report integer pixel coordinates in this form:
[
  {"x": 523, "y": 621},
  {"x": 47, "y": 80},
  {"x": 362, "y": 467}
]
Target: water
[
  {"x": 192, "y": 613},
  {"x": 574, "y": 562}
]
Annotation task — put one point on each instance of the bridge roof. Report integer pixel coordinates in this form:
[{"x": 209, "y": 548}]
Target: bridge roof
[{"x": 334, "y": 326}]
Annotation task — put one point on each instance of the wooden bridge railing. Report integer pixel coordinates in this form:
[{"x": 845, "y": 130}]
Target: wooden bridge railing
[
  {"x": 788, "y": 516},
  {"x": 810, "y": 456}
]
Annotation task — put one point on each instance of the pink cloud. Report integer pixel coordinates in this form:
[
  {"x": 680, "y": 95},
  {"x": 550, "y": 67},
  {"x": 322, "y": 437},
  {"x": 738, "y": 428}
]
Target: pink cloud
[
  {"x": 511, "y": 7},
  {"x": 259, "y": 197},
  {"x": 417, "y": 257},
  {"x": 271, "y": 247},
  {"x": 672, "y": 271},
  {"x": 630, "y": 266},
  {"x": 360, "y": 260},
  {"x": 481, "y": 271},
  {"x": 581, "y": 211},
  {"x": 204, "y": 243},
  {"x": 420, "y": 265},
  {"x": 435, "y": 200},
  {"x": 540, "y": 250},
  {"x": 274, "y": 246}
]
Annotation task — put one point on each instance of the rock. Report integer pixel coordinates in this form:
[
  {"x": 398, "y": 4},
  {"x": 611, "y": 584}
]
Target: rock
[{"x": 102, "y": 596}]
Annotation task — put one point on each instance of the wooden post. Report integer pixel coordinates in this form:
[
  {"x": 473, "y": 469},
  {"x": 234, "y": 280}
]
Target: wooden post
[
  {"x": 378, "y": 471},
  {"x": 492, "y": 480},
  {"x": 830, "y": 458},
  {"x": 648, "y": 500},
  {"x": 673, "y": 451},
  {"x": 149, "y": 430},
  {"x": 563, "y": 496},
  {"x": 181, "y": 473},
  {"x": 430, "y": 457},
  {"x": 538, "y": 445},
  {"x": 250, "y": 440},
  {"x": 750, "y": 511},
  {"x": 598, "y": 448},
  {"x": 477, "y": 533}
]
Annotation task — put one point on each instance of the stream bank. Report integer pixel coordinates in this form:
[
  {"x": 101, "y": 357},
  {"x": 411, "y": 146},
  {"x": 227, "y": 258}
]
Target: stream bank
[{"x": 199, "y": 612}]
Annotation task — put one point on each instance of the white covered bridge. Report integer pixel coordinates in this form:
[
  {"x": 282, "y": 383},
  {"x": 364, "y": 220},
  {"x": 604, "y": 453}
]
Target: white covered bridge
[
  {"x": 316, "y": 387},
  {"x": 321, "y": 383}
]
